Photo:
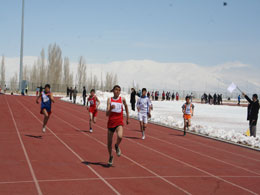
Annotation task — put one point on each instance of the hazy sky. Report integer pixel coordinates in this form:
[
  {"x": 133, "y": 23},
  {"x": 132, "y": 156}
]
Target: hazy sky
[{"x": 196, "y": 31}]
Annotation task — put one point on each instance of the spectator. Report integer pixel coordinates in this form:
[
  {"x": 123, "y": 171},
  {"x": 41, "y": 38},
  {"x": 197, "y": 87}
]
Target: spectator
[
  {"x": 68, "y": 91},
  {"x": 84, "y": 95},
  {"x": 75, "y": 95},
  {"x": 26, "y": 90},
  {"x": 163, "y": 96},
  {"x": 71, "y": 92},
  {"x": 215, "y": 99},
  {"x": 173, "y": 96},
  {"x": 148, "y": 94},
  {"x": 238, "y": 99},
  {"x": 252, "y": 113},
  {"x": 133, "y": 99},
  {"x": 210, "y": 99},
  {"x": 177, "y": 96},
  {"x": 153, "y": 95}
]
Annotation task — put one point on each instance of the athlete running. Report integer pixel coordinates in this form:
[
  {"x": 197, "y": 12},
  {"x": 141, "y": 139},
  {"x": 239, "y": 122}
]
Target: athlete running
[
  {"x": 46, "y": 101},
  {"x": 115, "y": 121},
  {"x": 92, "y": 108},
  {"x": 188, "y": 111},
  {"x": 144, "y": 107}
]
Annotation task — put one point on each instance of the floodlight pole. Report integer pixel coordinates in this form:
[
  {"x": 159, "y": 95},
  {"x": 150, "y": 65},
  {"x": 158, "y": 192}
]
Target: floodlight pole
[{"x": 21, "y": 50}]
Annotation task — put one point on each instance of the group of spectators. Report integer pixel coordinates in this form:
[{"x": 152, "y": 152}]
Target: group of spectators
[
  {"x": 168, "y": 96},
  {"x": 216, "y": 99},
  {"x": 155, "y": 95},
  {"x": 72, "y": 93}
]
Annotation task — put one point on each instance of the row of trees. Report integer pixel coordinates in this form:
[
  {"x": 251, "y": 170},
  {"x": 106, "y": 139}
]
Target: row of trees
[
  {"x": 2, "y": 73},
  {"x": 56, "y": 71}
]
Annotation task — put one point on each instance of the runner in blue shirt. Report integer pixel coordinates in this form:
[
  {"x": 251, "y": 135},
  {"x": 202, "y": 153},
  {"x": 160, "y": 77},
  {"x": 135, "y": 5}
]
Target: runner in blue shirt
[{"x": 46, "y": 101}]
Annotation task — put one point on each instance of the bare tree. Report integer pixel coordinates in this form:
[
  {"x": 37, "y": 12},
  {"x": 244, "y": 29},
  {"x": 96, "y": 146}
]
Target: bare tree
[
  {"x": 26, "y": 73},
  {"x": 101, "y": 83},
  {"x": 42, "y": 68},
  {"x": 2, "y": 70},
  {"x": 109, "y": 81},
  {"x": 81, "y": 73},
  {"x": 66, "y": 72},
  {"x": 54, "y": 66},
  {"x": 14, "y": 83},
  {"x": 71, "y": 81},
  {"x": 95, "y": 82},
  {"x": 33, "y": 73},
  {"x": 115, "y": 80}
]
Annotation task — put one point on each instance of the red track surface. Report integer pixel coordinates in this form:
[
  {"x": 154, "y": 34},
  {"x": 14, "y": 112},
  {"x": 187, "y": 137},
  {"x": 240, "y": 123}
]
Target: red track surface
[{"x": 67, "y": 159}]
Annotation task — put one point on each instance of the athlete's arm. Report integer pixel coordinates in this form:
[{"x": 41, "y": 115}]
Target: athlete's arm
[
  {"x": 150, "y": 105},
  {"x": 126, "y": 110},
  {"x": 87, "y": 103},
  {"x": 98, "y": 102},
  {"x": 37, "y": 99},
  {"x": 109, "y": 108},
  {"x": 183, "y": 109},
  {"x": 52, "y": 98},
  {"x": 137, "y": 105}
]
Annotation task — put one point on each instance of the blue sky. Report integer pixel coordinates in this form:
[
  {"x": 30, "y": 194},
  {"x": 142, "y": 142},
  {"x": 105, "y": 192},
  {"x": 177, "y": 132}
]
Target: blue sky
[{"x": 197, "y": 31}]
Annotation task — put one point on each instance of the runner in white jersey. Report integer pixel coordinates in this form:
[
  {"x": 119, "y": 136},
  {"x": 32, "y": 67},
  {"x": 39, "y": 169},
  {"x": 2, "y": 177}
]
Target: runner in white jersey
[{"x": 144, "y": 111}]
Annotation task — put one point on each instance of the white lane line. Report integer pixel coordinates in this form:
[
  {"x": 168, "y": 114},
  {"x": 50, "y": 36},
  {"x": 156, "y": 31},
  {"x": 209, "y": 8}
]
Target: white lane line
[
  {"x": 236, "y": 166},
  {"x": 207, "y": 156},
  {"x": 77, "y": 155},
  {"x": 150, "y": 171},
  {"x": 217, "y": 177},
  {"x": 122, "y": 178},
  {"x": 16, "y": 182},
  {"x": 189, "y": 165},
  {"x": 25, "y": 153},
  {"x": 214, "y": 148}
]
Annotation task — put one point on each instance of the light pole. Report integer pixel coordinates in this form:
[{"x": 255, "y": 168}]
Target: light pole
[{"x": 21, "y": 51}]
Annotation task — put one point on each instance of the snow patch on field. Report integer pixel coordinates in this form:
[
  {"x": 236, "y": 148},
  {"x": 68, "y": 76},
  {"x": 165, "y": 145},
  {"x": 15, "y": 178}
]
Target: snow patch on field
[{"x": 222, "y": 122}]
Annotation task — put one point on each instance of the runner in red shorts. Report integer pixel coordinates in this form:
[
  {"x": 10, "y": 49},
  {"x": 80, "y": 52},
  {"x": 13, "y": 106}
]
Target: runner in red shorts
[
  {"x": 92, "y": 108},
  {"x": 115, "y": 121}
]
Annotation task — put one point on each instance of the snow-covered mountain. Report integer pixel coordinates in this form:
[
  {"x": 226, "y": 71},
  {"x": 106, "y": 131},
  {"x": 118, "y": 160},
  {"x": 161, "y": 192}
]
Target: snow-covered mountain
[{"x": 159, "y": 75}]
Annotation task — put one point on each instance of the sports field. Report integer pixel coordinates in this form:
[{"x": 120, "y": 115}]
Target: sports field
[{"x": 67, "y": 159}]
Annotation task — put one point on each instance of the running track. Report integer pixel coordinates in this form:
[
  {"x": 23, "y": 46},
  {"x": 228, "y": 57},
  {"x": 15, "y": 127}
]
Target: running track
[{"x": 67, "y": 159}]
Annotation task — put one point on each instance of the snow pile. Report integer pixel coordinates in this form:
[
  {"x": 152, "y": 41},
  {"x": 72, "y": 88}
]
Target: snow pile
[{"x": 222, "y": 122}]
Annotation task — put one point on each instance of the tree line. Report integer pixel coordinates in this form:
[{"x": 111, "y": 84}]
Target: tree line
[{"x": 55, "y": 70}]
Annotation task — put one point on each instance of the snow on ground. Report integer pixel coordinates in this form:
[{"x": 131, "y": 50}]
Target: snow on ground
[{"x": 224, "y": 122}]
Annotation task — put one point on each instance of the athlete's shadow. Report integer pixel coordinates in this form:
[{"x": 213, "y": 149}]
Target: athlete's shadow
[
  {"x": 84, "y": 131},
  {"x": 176, "y": 134},
  {"x": 102, "y": 164},
  {"x": 35, "y": 136},
  {"x": 129, "y": 137}
]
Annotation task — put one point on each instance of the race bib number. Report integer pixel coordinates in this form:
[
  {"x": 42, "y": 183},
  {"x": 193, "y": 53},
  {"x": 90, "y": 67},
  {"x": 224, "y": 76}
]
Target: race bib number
[
  {"x": 45, "y": 98},
  {"x": 118, "y": 107},
  {"x": 91, "y": 102}
]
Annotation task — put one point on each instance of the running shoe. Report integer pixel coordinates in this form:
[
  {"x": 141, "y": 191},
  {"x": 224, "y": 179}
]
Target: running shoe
[
  {"x": 90, "y": 130},
  {"x": 143, "y": 137},
  {"x": 184, "y": 133},
  {"x": 43, "y": 130},
  {"x": 118, "y": 151},
  {"x": 110, "y": 161}
]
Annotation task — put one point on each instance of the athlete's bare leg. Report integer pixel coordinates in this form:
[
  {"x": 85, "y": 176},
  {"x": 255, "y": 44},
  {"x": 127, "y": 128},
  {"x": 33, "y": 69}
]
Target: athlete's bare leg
[
  {"x": 119, "y": 131},
  {"x": 189, "y": 123},
  {"x": 109, "y": 142},
  {"x": 90, "y": 120},
  {"x": 141, "y": 126},
  {"x": 46, "y": 117}
]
